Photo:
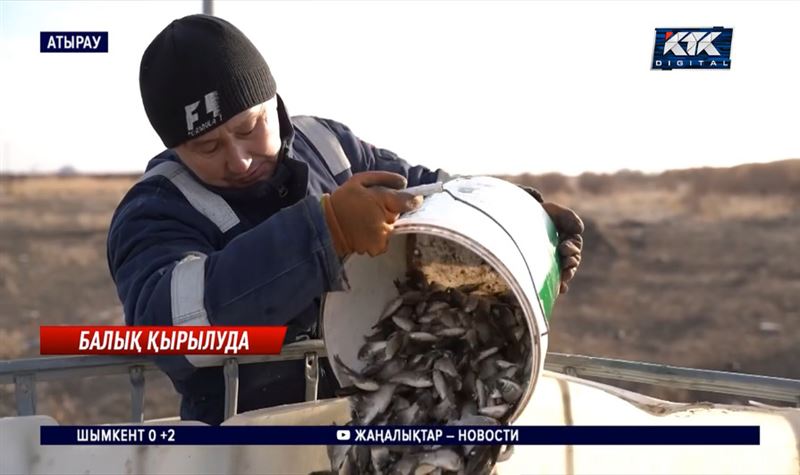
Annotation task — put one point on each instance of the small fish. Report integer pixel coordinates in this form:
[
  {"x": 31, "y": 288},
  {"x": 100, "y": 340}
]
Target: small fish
[
  {"x": 424, "y": 469},
  {"x": 506, "y": 316},
  {"x": 464, "y": 319},
  {"x": 472, "y": 338},
  {"x": 366, "y": 384},
  {"x": 519, "y": 333},
  {"x": 412, "y": 297},
  {"x": 424, "y": 365},
  {"x": 382, "y": 419},
  {"x": 458, "y": 298},
  {"x": 401, "y": 286},
  {"x": 506, "y": 453},
  {"x": 346, "y": 391},
  {"x": 453, "y": 332},
  {"x": 503, "y": 364},
  {"x": 375, "y": 403},
  {"x": 425, "y": 400},
  {"x": 428, "y": 318},
  {"x": 480, "y": 393},
  {"x": 496, "y": 412},
  {"x": 378, "y": 335},
  {"x": 362, "y": 458},
  {"x": 438, "y": 306},
  {"x": 447, "y": 459},
  {"x": 337, "y": 455},
  {"x": 401, "y": 449},
  {"x": 403, "y": 312},
  {"x": 420, "y": 308},
  {"x": 371, "y": 350},
  {"x": 507, "y": 296},
  {"x": 486, "y": 353},
  {"x": 519, "y": 314},
  {"x": 480, "y": 460},
  {"x": 380, "y": 458},
  {"x": 410, "y": 415},
  {"x": 436, "y": 287},
  {"x": 439, "y": 296},
  {"x": 400, "y": 403},
  {"x": 392, "y": 307},
  {"x": 393, "y": 345},
  {"x": 471, "y": 304},
  {"x": 469, "y": 381},
  {"x": 487, "y": 368},
  {"x": 358, "y": 380},
  {"x": 464, "y": 361},
  {"x": 429, "y": 447},
  {"x": 416, "y": 278},
  {"x": 449, "y": 319},
  {"x": 413, "y": 379},
  {"x": 510, "y": 390},
  {"x": 404, "y": 466},
  {"x": 469, "y": 288},
  {"x": 391, "y": 368},
  {"x": 415, "y": 360},
  {"x": 442, "y": 410},
  {"x": 441, "y": 386},
  {"x": 526, "y": 346},
  {"x": 404, "y": 323},
  {"x": 484, "y": 307},
  {"x": 446, "y": 366},
  {"x": 476, "y": 420},
  {"x": 423, "y": 337},
  {"x": 509, "y": 372},
  {"x": 484, "y": 332},
  {"x": 469, "y": 408}
]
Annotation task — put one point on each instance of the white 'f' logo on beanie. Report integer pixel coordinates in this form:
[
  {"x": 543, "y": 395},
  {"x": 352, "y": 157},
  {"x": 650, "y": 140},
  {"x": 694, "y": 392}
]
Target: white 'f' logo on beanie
[{"x": 211, "y": 106}]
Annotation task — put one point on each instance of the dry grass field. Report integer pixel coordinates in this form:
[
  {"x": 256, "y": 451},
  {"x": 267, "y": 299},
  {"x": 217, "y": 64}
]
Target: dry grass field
[{"x": 692, "y": 267}]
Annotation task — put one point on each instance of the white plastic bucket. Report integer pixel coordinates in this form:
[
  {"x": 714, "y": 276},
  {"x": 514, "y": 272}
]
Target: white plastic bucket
[{"x": 494, "y": 219}]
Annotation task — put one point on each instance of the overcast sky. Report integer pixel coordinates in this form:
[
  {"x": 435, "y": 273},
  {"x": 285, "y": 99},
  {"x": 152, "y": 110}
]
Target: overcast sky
[{"x": 471, "y": 87}]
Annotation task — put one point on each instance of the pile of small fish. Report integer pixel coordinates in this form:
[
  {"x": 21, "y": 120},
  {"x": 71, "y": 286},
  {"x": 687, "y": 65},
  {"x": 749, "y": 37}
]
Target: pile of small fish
[{"x": 437, "y": 356}]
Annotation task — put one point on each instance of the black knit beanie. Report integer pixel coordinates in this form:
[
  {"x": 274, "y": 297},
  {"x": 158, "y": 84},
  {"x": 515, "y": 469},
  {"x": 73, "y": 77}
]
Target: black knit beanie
[{"x": 197, "y": 73}]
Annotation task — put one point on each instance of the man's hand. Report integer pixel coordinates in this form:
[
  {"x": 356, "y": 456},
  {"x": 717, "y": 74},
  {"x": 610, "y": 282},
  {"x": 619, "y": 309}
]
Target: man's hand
[
  {"x": 569, "y": 227},
  {"x": 361, "y": 213}
]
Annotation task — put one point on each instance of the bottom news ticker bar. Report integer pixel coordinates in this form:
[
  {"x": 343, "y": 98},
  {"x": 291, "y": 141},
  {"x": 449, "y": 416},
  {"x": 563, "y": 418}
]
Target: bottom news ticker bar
[{"x": 400, "y": 435}]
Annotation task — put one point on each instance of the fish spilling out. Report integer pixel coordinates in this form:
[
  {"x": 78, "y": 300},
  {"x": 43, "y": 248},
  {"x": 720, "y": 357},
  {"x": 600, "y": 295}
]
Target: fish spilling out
[{"x": 436, "y": 356}]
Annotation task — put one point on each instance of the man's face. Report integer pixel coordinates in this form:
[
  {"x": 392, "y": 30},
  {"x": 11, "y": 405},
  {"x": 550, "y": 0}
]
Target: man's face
[{"x": 239, "y": 152}]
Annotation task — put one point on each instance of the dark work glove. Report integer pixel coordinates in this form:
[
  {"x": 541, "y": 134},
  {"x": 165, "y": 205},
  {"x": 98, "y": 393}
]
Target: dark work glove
[{"x": 570, "y": 242}]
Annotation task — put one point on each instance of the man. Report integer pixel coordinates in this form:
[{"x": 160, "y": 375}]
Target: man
[{"x": 246, "y": 217}]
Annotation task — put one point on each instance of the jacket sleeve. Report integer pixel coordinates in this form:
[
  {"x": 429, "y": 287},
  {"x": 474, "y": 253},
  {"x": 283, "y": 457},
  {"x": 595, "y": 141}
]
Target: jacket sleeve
[
  {"x": 164, "y": 262},
  {"x": 366, "y": 157}
]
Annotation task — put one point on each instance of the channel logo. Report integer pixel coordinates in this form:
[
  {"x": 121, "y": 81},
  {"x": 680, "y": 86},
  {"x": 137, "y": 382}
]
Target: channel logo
[
  {"x": 342, "y": 435},
  {"x": 692, "y": 48}
]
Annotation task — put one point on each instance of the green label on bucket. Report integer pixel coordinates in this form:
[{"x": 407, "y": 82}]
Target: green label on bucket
[{"x": 548, "y": 291}]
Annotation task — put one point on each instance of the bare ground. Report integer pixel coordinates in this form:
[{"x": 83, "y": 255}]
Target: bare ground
[{"x": 697, "y": 268}]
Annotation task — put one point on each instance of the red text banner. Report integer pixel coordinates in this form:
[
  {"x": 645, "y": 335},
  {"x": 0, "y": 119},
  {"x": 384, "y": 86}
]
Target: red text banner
[{"x": 119, "y": 340}]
